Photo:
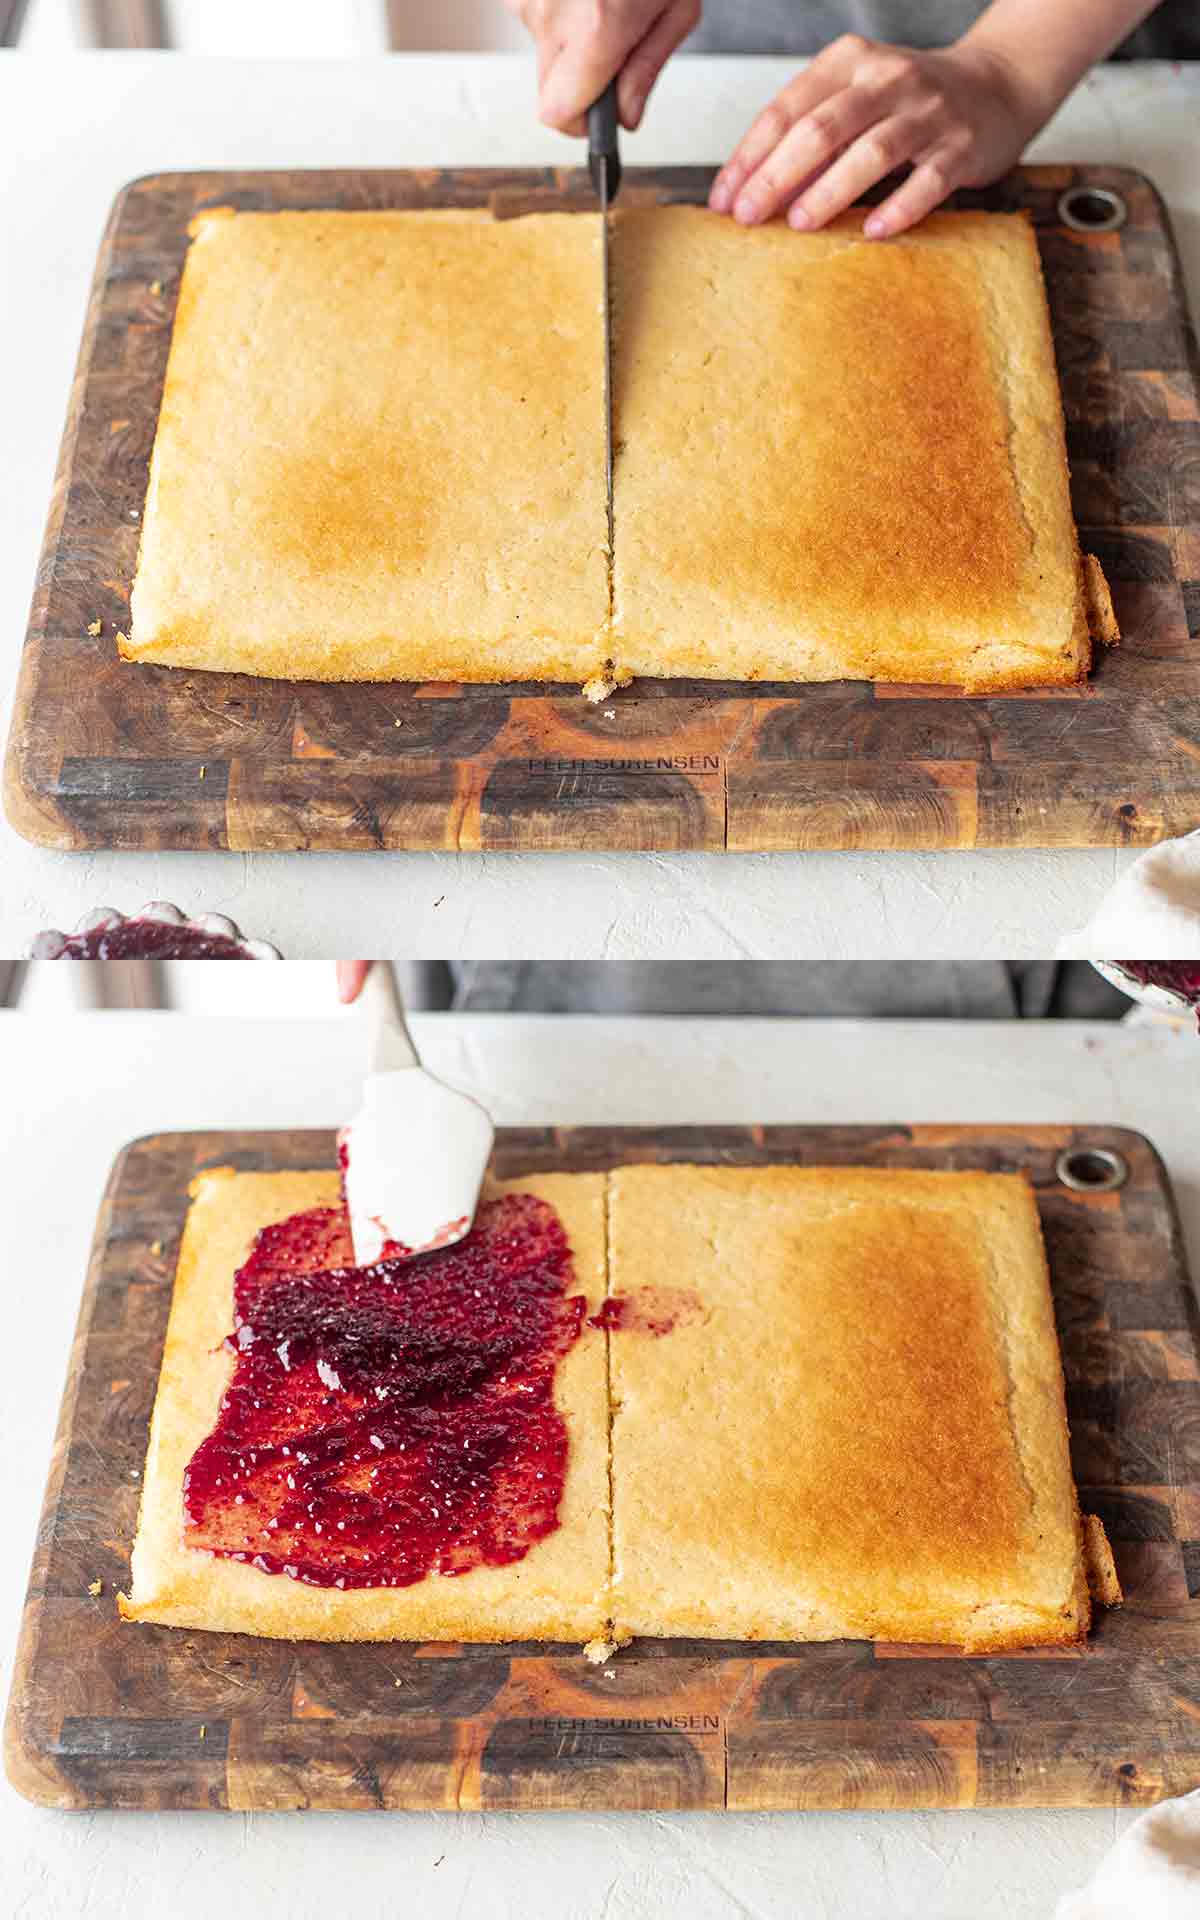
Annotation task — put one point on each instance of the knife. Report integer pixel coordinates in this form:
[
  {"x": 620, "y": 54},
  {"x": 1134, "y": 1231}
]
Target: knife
[{"x": 604, "y": 165}]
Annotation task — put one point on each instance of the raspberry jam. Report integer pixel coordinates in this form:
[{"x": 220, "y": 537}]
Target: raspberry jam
[
  {"x": 150, "y": 940},
  {"x": 388, "y": 1422},
  {"x": 654, "y": 1310}
]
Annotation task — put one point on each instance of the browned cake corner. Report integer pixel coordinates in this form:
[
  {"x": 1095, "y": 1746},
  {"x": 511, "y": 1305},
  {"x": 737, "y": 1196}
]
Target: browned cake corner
[
  {"x": 558, "y": 1591},
  {"x": 1102, "y": 618},
  {"x": 862, "y": 1433},
  {"x": 873, "y": 445},
  {"x": 1104, "y": 1584},
  {"x": 419, "y": 492}
]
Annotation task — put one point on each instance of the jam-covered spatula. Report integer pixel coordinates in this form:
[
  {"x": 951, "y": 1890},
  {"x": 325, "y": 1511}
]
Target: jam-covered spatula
[{"x": 414, "y": 1158}]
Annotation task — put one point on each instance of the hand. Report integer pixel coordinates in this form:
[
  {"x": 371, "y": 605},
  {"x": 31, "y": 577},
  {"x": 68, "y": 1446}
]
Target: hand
[
  {"x": 582, "y": 44},
  {"x": 957, "y": 118},
  {"x": 350, "y": 977}
]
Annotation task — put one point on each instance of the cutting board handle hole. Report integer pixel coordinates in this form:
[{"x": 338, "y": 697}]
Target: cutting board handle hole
[
  {"x": 1091, "y": 1169},
  {"x": 1092, "y": 209}
]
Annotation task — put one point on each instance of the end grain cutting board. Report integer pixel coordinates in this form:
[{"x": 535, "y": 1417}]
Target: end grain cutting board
[
  {"x": 114, "y": 1715},
  {"x": 110, "y": 755}
]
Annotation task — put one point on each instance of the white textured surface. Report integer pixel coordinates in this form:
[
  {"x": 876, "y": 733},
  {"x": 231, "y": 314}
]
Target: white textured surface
[
  {"x": 76, "y": 128},
  {"x": 141, "y": 1072},
  {"x": 304, "y": 27}
]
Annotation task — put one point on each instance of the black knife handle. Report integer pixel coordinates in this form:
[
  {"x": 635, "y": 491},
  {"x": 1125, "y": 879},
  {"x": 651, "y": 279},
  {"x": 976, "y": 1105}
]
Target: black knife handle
[{"x": 604, "y": 159}]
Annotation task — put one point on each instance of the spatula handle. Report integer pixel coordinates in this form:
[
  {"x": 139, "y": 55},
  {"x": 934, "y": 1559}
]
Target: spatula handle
[{"x": 391, "y": 1042}]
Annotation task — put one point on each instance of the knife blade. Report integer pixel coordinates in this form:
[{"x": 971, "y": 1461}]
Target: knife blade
[{"x": 604, "y": 166}]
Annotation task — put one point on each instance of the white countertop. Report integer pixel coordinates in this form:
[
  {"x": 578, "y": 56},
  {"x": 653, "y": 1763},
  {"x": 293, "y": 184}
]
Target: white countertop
[
  {"x": 80, "y": 1087},
  {"x": 76, "y": 128}
]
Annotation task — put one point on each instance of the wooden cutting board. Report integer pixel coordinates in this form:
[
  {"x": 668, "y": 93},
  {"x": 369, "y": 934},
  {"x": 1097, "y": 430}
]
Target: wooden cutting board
[
  {"x": 108, "y": 1714},
  {"x": 110, "y": 755}
]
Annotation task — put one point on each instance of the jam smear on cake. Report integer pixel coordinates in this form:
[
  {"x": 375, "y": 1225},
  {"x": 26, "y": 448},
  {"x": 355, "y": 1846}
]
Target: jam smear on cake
[
  {"x": 388, "y": 1422},
  {"x": 653, "y": 1310}
]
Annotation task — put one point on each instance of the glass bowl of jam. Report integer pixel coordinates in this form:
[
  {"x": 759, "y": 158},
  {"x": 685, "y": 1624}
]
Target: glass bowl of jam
[{"x": 158, "y": 931}]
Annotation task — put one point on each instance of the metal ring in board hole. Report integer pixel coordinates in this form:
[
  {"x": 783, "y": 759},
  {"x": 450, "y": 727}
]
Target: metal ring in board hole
[
  {"x": 1092, "y": 209},
  {"x": 1091, "y": 1169}
]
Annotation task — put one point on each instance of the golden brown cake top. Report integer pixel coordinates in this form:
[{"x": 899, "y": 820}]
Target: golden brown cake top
[
  {"x": 380, "y": 454},
  {"x": 841, "y": 454},
  {"x": 864, "y": 1430}
]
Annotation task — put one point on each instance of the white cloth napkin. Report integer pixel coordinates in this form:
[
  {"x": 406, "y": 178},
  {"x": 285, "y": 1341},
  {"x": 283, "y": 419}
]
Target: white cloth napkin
[
  {"x": 1153, "y": 912},
  {"x": 1153, "y": 1872}
]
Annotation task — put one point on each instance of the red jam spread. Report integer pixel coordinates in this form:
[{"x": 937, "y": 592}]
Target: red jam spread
[
  {"x": 654, "y": 1310},
  {"x": 150, "y": 940},
  {"x": 388, "y": 1422}
]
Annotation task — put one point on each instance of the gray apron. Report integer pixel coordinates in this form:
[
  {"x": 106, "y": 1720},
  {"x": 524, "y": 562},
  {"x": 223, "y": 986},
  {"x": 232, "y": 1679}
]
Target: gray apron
[
  {"x": 805, "y": 26},
  {"x": 904, "y": 989}
]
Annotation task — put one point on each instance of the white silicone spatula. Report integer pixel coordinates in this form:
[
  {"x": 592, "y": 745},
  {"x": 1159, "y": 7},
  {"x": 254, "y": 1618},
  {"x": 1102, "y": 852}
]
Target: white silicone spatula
[{"x": 415, "y": 1156}]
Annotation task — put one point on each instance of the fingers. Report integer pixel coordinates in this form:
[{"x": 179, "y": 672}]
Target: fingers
[
  {"x": 884, "y": 147},
  {"x": 583, "y": 64},
  {"x": 856, "y": 114},
  {"x": 827, "y": 74},
  {"x": 650, "y": 56},
  {"x": 934, "y": 177},
  {"x": 350, "y": 977},
  {"x": 772, "y": 125},
  {"x": 812, "y": 146},
  {"x": 558, "y": 90}
]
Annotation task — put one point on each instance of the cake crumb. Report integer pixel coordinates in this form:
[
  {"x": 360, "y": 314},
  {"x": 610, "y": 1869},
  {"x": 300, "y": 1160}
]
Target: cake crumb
[
  {"x": 96, "y": 628},
  {"x": 601, "y": 685},
  {"x": 122, "y": 639},
  {"x": 601, "y": 1649},
  {"x": 96, "y": 1588},
  {"x": 156, "y": 1246},
  {"x": 156, "y": 287}
]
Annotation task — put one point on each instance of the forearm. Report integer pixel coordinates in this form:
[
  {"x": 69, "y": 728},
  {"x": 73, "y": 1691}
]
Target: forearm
[{"x": 1047, "y": 48}]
